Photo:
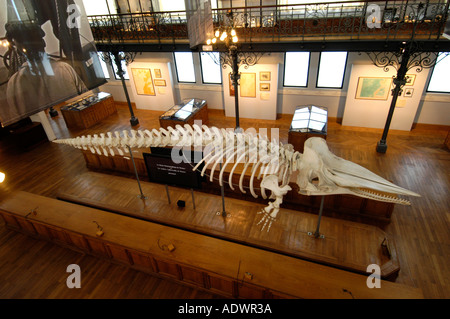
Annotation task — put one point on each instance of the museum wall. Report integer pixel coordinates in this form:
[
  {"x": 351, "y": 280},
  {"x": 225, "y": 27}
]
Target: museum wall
[{"x": 428, "y": 108}]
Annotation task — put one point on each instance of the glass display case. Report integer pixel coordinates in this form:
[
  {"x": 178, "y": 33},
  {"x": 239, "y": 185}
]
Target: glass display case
[
  {"x": 85, "y": 111},
  {"x": 308, "y": 121},
  {"x": 185, "y": 113},
  {"x": 85, "y": 102}
]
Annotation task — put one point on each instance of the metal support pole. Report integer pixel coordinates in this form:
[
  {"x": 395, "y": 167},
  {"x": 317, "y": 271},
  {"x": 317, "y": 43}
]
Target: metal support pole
[
  {"x": 168, "y": 194},
  {"x": 399, "y": 82},
  {"x": 234, "y": 56},
  {"x": 118, "y": 61},
  {"x": 317, "y": 234},
  {"x": 222, "y": 191},
  {"x": 193, "y": 199},
  {"x": 141, "y": 196}
]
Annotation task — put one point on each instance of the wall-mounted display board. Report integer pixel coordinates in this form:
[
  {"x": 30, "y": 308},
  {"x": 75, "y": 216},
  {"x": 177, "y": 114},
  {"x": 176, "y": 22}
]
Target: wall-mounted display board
[
  {"x": 152, "y": 85},
  {"x": 369, "y": 98},
  {"x": 371, "y": 88},
  {"x": 247, "y": 84},
  {"x": 143, "y": 81},
  {"x": 257, "y": 92}
]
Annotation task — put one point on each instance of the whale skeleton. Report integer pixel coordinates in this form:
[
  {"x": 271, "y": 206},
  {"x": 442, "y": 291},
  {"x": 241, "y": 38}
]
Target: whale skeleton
[{"x": 316, "y": 172}]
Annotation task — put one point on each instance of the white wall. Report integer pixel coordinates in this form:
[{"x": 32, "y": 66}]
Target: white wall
[
  {"x": 373, "y": 113},
  {"x": 264, "y": 104},
  {"x": 431, "y": 108},
  {"x": 163, "y": 98}
]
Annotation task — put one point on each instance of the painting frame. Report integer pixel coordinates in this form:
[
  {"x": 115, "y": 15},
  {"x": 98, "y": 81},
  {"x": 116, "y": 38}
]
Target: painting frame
[
  {"x": 264, "y": 86},
  {"x": 247, "y": 84},
  {"x": 160, "y": 82},
  {"x": 141, "y": 83},
  {"x": 157, "y": 73},
  {"x": 264, "y": 76},
  {"x": 408, "y": 92},
  {"x": 373, "y": 88},
  {"x": 410, "y": 79}
]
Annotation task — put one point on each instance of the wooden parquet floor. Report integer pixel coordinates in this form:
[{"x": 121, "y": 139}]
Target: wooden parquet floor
[{"x": 416, "y": 160}]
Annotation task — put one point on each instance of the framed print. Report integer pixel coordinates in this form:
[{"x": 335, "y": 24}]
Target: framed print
[
  {"x": 264, "y": 76},
  {"x": 373, "y": 88},
  {"x": 248, "y": 85},
  {"x": 143, "y": 81},
  {"x": 230, "y": 85},
  {"x": 264, "y": 96},
  {"x": 408, "y": 92},
  {"x": 264, "y": 86},
  {"x": 157, "y": 73},
  {"x": 410, "y": 79},
  {"x": 160, "y": 82}
]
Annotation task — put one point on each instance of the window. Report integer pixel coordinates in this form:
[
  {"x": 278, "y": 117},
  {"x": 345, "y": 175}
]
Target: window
[
  {"x": 331, "y": 69},
  {"x": 296, "y": 68},
  {"x": 211, "y": 72},
  {"x": 439, "y": 76},
  {"x": 184, "y": 65},
  {"x": 104, "y": 66},
  {"x": 173, "y": 5},
  {"x": 93, "y": 8}
]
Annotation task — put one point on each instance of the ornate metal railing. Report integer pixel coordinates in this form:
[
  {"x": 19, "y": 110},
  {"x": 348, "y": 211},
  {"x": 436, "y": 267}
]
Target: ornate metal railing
[
  {"x": 139, "y": 27},
  {"x": 362, "y": 20}
]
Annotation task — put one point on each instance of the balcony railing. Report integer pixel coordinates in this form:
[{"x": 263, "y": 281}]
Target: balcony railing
[{"x": 368, "y": 20}]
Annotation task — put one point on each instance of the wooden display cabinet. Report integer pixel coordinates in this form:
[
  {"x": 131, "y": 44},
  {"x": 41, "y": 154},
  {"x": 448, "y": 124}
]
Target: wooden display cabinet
[
  {"x": 208, "y": 263},
  {"x": 89, "y": 110}
]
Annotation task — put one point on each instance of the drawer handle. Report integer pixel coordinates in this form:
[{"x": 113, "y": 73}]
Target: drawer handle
[
  {"x": 32, "y": 212},
  {"x": 169, "y": 247},
  {"x": 99, "y": 232}
]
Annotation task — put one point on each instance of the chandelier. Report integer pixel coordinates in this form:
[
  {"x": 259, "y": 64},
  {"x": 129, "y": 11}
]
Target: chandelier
[{"x": 233, "y": 56}]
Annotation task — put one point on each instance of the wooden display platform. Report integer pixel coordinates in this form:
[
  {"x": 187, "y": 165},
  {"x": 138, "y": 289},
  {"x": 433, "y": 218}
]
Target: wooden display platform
[
  {"x": 347, "y": 245},
  {"x": 218, "y": 266},
  {"x": 347, "y": 207}
]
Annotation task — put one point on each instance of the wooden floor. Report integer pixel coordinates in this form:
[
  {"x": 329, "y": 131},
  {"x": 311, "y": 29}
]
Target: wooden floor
[{"x": 416, "y": 160}]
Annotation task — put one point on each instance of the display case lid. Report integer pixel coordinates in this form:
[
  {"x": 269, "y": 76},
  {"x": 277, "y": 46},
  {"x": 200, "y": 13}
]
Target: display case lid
[
  {"x": 84, "y": 101},
  {"x": 184, "y": 110},
  {"x": 310, "y": 118}
]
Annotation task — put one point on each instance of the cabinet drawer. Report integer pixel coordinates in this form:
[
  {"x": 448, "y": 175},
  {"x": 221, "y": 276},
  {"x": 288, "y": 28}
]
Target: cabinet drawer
[
  {"x": 168, "y": 269},
  {"x": 119, "y": 253},
  {"x": 141, "y": 260}
]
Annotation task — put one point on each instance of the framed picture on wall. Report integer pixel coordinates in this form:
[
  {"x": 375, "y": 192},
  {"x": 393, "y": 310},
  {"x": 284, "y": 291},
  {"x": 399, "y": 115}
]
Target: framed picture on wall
[
  {"x": 248, "y": 85},
  {"x": 410, "y": 79},
  {"x": 160, "y": 82},
  {"x": 371, "y": 88},
  {"x": 143, "y": 81},
  {"x": 264, "y": 76},
  {"x": 408, "y": 92},
  {"x": 264, "y": 86},
  {"x": 157, "y": 73}
]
